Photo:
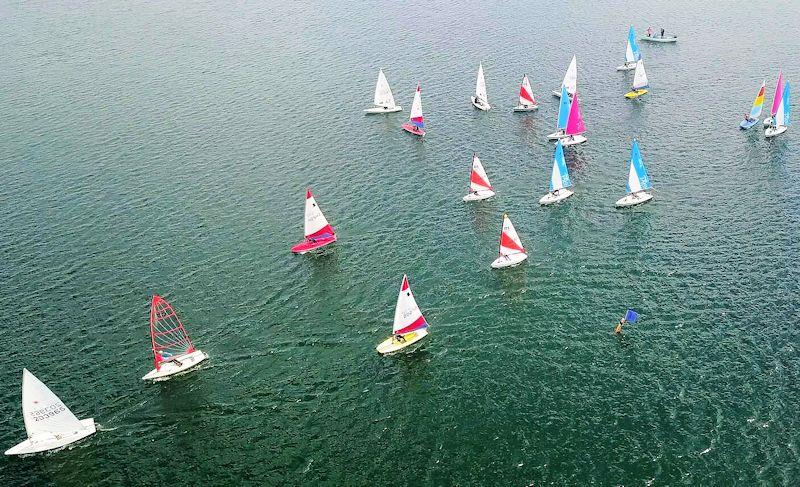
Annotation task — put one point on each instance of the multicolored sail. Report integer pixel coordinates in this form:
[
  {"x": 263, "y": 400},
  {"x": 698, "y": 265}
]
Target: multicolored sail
[
  {"x": 640, "y": 76},
  {"x": 168, "y": 336},
  {"x": 784, "y": 110},
  {"x": 638, "y": 180},
  {"x": 758, "y": 103},
  {"x": 509, "y": 240},
  {"x": 316, "y": 225},
  {"x": 525, "y": 92},
  {"x": 563, "y": 110},
  {"x": 575, "y": 123},
  {"x": 559, "y": 178},
  {"x": 416, "y": 109},
  {"x": 407, "y": 316},
  {"x": 478, "y": 180},
  {"x": 632, "y": 53},
  {"x": 776, "y": 100}
]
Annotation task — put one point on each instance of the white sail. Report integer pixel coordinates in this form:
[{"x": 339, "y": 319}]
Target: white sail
[
  {"x": 633, "y": 180},
  {"x": 44, "y": 412},
  {"x": 629, "y": 58},
  {"x": 640, "y": 77},
  {"x": 526, "y": 87},
  {"x": 383, "y": 94},
  {"x": 478, "y": 180},
  {"x": 571, "y": 77},
  {"x": 780, "y": 118},
  {"x": 509, "y": 240},
  {"x": 315, "y": 222},
  {"x": 480, "y": 86},
  {"x": 407, "y": 316}
]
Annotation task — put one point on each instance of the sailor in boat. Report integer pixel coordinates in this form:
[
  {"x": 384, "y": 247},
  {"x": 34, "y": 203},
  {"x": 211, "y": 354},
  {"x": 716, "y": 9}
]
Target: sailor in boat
[
  {"x": 555, "y": 192},
  {"x": 167, "y": 357},
  {"x": 662, "y": 32},
  {"x": 400, "y": 338},
  {"x": 747, "y": 118},
  {"x": 618, "y": 329},
  {"x": 649, "y": 31}
]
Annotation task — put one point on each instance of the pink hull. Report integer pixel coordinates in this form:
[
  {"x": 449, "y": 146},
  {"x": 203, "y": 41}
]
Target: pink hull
[
  {"x": 309, "y": 245},
  {"x": 413, "y": 129}
]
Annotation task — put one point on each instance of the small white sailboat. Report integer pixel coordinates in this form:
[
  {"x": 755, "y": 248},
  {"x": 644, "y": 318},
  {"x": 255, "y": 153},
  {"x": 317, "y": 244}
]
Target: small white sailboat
[
  {"x": 479, "y": 186},
  {"x": 575, "y": 126},
  {"x": 526, "y": 101},
  {"x": 409, "y": 325},
  {"x": 317, "y": 232},
  {"x": 780, "y": 122},
  {"x": 640, "y": 82},
  {"x": 173, "y": 351},
  {"x": 480, "y": 99},
  {"x": 632, "y": 53},
  {"x": 416, "y": 122},
  {"x": 559, "y": 179},
  {"x": 49, "y": 423},
  {"x": 776, "y": 100},
  {"x": 511, "y": 251},
  {"x": 563, "y": 116},
  {"x": 570, "y": 81},
  {"x": 384, "y": 100},
  {"x": 638, "y": 181}
]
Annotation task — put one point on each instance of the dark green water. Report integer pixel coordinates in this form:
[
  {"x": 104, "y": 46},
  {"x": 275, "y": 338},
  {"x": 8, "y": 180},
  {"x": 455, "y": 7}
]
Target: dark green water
[{"x": 164, "y": 147}]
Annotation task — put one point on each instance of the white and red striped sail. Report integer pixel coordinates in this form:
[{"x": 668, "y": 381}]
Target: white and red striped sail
[
  {"x": 478, "y": 180},
  {"x": 316, "y": 226},
  {"x": 509, "y": 240},
  {"x": 407, "y": 316},
  {"x": 167, "y": 333},
  {"x": 525, "y": 92}
]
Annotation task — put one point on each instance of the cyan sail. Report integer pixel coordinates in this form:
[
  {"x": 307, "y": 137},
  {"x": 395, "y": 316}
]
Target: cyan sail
[
  {"x": 563, "y": 109},
  {"x": 638, "y": 180},
  {"x": 560, "y": 176},
  {"x": 635, "y": 55}
]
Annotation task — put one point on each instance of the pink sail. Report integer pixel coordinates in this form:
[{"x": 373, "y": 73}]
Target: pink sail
[
  {"x": 776, "y": 100},
  {"x": 575, "y": 124}
]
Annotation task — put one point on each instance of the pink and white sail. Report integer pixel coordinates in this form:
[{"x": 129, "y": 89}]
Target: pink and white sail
[
  {"x": 416, "y": 110},
  {"x": 509, "y": 240},
  {"x": 776, "y": 100},
  {"x": 478, "y": 180},
  {"x": 525, "y": 92},
  {"x": 407, "y": 316},
  {"x": 575, "y": 123},
  {"x": 316, "y": 226}
]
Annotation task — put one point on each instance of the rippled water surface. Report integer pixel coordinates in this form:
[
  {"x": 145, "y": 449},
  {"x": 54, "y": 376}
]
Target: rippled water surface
[{"x": 164, "y": 147}]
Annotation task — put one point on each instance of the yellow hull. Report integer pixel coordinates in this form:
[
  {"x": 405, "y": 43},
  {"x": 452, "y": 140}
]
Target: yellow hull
[
  {"x": 635, "y": 94},
  {"x": 391, "y": 344}
]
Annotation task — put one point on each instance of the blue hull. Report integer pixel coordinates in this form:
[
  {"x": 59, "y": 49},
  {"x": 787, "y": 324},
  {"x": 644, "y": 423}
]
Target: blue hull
[{"x": 746, "y": 125}]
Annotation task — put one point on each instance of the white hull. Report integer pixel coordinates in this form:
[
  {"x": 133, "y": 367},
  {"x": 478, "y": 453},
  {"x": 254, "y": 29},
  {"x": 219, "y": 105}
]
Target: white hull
[
  {"x": 557, "y": 135},
  {"x": 390, "y": 345},
  {"x": 634, "y": 199},
  {"x": 773, "y": 131},
  {"x": 557, "y": 94},
  {"x": 509, "y": 260},
  {"x": 551, "y": 198},
  {"x": 526, "y": 108},
  {"x": 479, "y": 195},
  {"x": 479, "y": 104},
  {"x": 659, "y": 39},
  {"x": 40, "y": 443},
  {"x": 627, "y": 67},
  {"x": 374, "y": 110},
  {"x": 170, "y": 368},
  {"x": 767, "y": 122},
  {"x": 573, "y": 140}
]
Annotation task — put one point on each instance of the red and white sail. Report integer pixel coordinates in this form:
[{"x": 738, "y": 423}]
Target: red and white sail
[
  {"x": 525, "y": 92},
  {"x": 478, "y": 180},
  {"x": 416, "y": 117},
  {"x": 167, "y": 333},
  {"x": 407, "y": 316},
  {"x": 316, "y": 225},
  {"x": 509, "y": 240}
]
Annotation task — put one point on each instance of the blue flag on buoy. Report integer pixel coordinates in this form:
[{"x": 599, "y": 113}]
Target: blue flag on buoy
[{"x": 631, "y": 316}]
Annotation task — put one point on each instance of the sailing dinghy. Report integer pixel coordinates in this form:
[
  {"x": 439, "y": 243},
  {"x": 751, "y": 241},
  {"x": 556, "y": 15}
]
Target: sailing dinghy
[
  {"x": 409, "y": 324},
  {"x": 638, "y": 181},
  {"x": 632, "y": 53},
  {"x": 384, "y": 100},
  {"x": 511, "y": 251},
  {"x": 480, "y": 99},
  {"x": 479, "y": 186},
  {"x": 526, "y": 101},
  {"x": 780, "y": 122},
  {"x": 49, "y": 423},
  {"x": 416, "y": 123},
  {"x": 776, "y": 101},
  {"x": 559, "y": 179},
  {"x": 755, "y": 112},
  {"x": 575, "y": 126},
  {"x": 570, "y": 79},
  {"x": 173, "y": 351},
  {"x": 318, "y": 232},
  {"x": 640, "y": 82},
  {"x": 563, "y": 116}
]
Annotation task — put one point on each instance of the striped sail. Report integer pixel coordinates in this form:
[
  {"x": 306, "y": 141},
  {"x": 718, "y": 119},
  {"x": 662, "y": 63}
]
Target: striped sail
[
  {"x": 758, "y": 104},
  {"x": 638, "y": 180},
  {"x": 407, "y": 316},
  {"x": 416, "y": 109},
  {"x": 478, "y": 180},
  {"x": 782, "y": 115},
  {"x": 525, "y": 92},
  {"x": 509, "y": 240},
  {"x": 559, "y": 178}
]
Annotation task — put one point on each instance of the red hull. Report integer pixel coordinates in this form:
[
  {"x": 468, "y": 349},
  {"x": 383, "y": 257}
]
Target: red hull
[
  {"x": 309, "y": 244},
  {"x": 413, "y": 129}
]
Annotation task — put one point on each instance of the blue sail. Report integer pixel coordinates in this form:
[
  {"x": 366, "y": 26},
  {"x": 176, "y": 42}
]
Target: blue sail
[
  {"x": 560, "y": 176},
  {"x": 638, "y": 180},
  {"x": 634, "y": 47},
  {"x": 563, "y": 109},
  {"x": 787, "y": 107}
]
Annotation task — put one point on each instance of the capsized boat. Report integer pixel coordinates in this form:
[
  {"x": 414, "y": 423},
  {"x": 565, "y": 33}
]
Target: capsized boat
[
  {"x": 559, "y": 179},
  {"x": 640, "y": 82},
  {"x": 575, "y": 126},
  {"x": 780, "y": 123},
  {"x": 416, "y": 123},
  {"x": 409, "y": 325},
  {"x": 632, "y": 53},
  {"x": 49, "y": 423},
  {"x": 173, "y": 351},
  {"x": 317, "y": 231},
  {"x": 384, "y": 100},
  {"x": 638, "y": 181},
  {"x": 755, "y": 112},
  {"x": 570, "y": 81},
  {"x": 479, "y": 186},
  {"x": 563, "y": 115},
  {"x": 526, "y": 101},
  {"x": 511, "y": 251},
  {"x": 480, "y": 99},
  {"x": 776, "y": 101}
]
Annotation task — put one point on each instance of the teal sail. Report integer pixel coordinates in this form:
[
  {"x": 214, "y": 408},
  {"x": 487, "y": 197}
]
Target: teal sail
[
  {"x": 560, "y": 176},
  {"x": 632, "y": 54},
  {"x": 787, "y": 107},
  {"x": 638, "y": 180},
  {"x": 563, "y": 109}
]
